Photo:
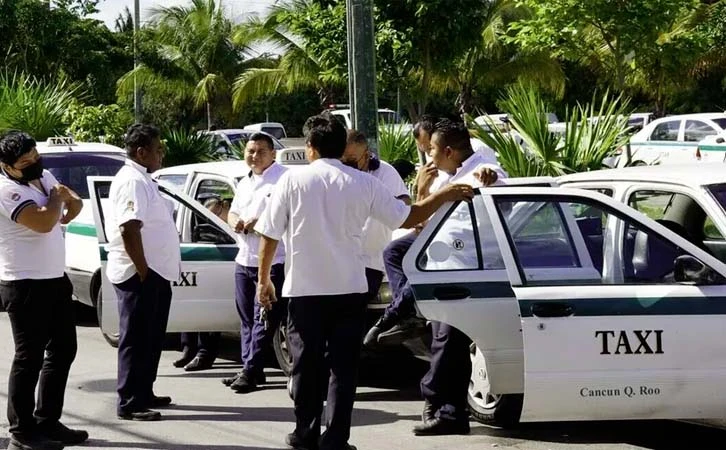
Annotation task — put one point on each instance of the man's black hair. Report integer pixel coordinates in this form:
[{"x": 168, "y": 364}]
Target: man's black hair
[
  {"x": 15, "y": 144},
  {"x": 139, "y": 135},
  {"x": 326, "y": 135},
  {"x": 454, "y": 134},
  {"x": 404, "y": 168},
  {"x": 425, "y": 123},
  {"x": 356, "y": 137},
  {"x": 264, "y": 138}
]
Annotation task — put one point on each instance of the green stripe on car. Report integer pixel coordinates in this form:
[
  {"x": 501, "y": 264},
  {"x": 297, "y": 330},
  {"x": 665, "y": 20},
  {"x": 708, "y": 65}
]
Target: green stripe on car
[
  {"x": 197, "y": 253},
  {"x": 81, "y": 229}
]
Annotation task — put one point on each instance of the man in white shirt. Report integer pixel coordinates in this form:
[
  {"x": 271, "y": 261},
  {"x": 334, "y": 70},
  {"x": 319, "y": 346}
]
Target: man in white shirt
[
  {"x": 36, "y": 294},
  {"x": 251, "y": 198},
  {"x": 143, "y": 260},
  {"x": 376, "y": 235},
  {"x": 320, "y": 211}
]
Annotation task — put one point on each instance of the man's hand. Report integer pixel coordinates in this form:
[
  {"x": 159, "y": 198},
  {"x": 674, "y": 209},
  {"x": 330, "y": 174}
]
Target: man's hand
[
  {"x": 425, "y": 177},
  {"x": 64, "y": 193},
  {"x": 239, "y": 226},
  {"x": 143, "y": 273},
  {"x": 250, "y": 226},
  {"x": 266, "y": 293},
  {"x": 456, "y": 192},
  {"x": 486, "y": 176}
]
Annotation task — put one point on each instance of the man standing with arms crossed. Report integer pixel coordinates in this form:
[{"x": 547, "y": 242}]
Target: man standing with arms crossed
[
  {"x": 37, "y": 294},
  {"x": 143, "y": 260},
  {"x": 320, "y": 210},
  {"x": 250, "y": 199}
]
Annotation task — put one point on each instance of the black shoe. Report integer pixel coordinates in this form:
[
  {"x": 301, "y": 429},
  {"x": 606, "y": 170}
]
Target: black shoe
[
  {"x": 402, "y": 331},
  {"x": 187, "y": 355},
  {"x": 36, "y": 442},
  {"x": 298, "y": 443},
  {"x": 146, "y": 415},
  {"x": 381, "y": 325},
  {"x": 260, "y": 378},
  {"x": 160, "y": 402},
  {"x": 230, "y": 380},
  {"x": 244, "y": 383},
  {"x": 199, "y": 363},
  {"x": 61, "y": 433},
  {"x": 429, "y": 412},
  {"x": 440, "y": 427}
]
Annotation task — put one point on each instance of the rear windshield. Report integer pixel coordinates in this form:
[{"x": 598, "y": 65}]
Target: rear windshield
[
  {"x": 721, "y": 123},
  {"x": 72, "y": 169}
]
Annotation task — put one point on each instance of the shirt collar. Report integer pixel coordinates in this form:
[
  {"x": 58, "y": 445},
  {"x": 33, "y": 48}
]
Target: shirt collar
[
  {"x": 15, "y": 180},
  {"x": 330, "y": 161},
  {"x": 131, "y": 163},
  {"x": 270, "y": 169},
  {"x": 468, "y": 165}
]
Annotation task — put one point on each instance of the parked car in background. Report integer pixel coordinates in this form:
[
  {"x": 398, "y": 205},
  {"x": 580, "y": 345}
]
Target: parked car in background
[
  {"x": 71, "y": 163},
  {"x": 673, "y": 139},
  {"x": 274, "y": 129}
]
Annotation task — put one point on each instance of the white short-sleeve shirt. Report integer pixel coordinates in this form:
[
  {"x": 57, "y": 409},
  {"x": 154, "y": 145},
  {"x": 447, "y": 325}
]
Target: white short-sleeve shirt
[
  {"x": 375, "y": 234},
  {"x": 320, "y": 211},
  {"x": 134, "y": 195},
  {"x": 26, "y": 254},
  {"x": 250, "y": 200}
]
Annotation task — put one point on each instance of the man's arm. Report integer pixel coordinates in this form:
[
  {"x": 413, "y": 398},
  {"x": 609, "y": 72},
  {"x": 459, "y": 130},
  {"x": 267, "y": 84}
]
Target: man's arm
[
  {"x": 74, "y": 205},
  {"x": 42, "y": 219},
  {"x": 422, "y": 210},
  {"x": 131, "y": 236},
  {"x": 265, "y": 288}
]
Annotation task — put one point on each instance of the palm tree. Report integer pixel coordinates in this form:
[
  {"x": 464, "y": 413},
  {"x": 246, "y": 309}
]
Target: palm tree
[
  {"x": 298, "y": 68},
  {"x": 494, "y": 63},
  {"x": 195, "y": 56}
]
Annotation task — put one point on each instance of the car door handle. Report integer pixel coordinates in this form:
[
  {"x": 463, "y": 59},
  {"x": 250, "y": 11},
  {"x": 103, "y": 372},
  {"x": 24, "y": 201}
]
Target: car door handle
[
  {"x": 451, "y": 293},
  {"x": 552, "y": 309}
]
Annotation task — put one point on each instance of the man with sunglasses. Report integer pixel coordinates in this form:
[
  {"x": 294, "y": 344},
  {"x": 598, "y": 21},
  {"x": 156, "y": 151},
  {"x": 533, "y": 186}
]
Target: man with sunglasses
[{"x": 37, "y": 294}]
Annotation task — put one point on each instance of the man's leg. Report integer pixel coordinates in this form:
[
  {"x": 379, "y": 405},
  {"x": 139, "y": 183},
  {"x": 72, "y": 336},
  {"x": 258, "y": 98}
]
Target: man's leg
[
  {"x": 60, "y": 353},
  {"x": 207, "y": 344},
  {"x": 189, "y": 343},
  {"x": 245, "y": 293},
  {"x": 261, "y": 337},
  {"x": 402, "y": 305},
  {"x": 445, "y": 385},
  {"x": 134, "y": 352},
  {"x": 30, "y": 322},
  {"x": 347, "y": 324},
  {"x": 160, "y": 297},
  {"x": 305, "y": 335}
]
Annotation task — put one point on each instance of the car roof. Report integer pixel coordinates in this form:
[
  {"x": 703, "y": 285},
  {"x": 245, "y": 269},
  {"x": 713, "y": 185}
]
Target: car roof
[
  {"x": 68, "y": 146},
  {"x": 228, "y": 168},
  {"x": 711, "y": 115},
  {"x": 689, "y": 174}
]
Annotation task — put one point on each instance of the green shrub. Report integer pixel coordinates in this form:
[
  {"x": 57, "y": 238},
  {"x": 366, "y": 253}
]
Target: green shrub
[
  {"x": 395, "y": 141},
  {"x": 186, "y": 146},
  {"x": 106, "y": 123}
]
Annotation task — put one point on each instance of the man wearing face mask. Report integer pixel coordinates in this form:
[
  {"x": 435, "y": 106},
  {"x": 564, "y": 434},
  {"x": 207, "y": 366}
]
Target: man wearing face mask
[
  {"x": 36, "y": 294},
  {"x": 143, "y": 260},
  {"x": 375, "y": 234}
]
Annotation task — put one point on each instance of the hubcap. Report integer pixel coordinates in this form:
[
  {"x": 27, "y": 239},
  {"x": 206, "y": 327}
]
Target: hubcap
[{"x": 479, "y": 387}]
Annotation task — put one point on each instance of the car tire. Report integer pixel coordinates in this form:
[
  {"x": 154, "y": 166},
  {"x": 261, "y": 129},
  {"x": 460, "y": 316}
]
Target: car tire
[
  {"x": 487, "y": 408},
  {"x": 281, "y": 349},
  {"x": 112, "y": 339}
]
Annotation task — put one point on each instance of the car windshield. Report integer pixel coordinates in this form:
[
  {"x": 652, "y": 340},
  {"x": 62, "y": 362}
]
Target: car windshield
[
  {"x": 72, "y": 169},
  {"x": 718, "y": 191},
  {"x": 387, "y": 117}
]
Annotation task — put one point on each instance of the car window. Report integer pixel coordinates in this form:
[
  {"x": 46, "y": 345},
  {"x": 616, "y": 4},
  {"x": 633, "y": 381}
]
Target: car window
[
  {"x": 275, "y": 132},
  {"x": 721, "y": 122},
  {"x": 653, "y": 204},
  {"x": 697, "y": 130},
  {"x": 710, "y": 231},
  {"x": 73, "y": 169},
  {"x": 201, "y": 230},
  {"x": 456, "y": 244},
  {"x": 646, "y": 257},
  {"x": 666, "y": 131},
  {"x": 175, "y": 181},
  {"x": 213, "y": 188}
]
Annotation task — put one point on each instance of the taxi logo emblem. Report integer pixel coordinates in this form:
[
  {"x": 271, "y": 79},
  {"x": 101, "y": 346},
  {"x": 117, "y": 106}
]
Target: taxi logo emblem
[
  {"x": 458, "y": 244},
  {"x": 130, "y": 206}
]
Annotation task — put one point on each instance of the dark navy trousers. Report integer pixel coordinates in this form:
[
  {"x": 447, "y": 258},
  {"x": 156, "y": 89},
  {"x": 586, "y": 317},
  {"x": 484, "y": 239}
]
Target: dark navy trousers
[
  {"x": 253, "y": 336},
  {"x": 446, "y": 383},
  {"x": 204, "y": 344},
  {"x": 325, "y": 334},
  {"x": 403, "y": 302},
  {"x": 144, "y": 312}
]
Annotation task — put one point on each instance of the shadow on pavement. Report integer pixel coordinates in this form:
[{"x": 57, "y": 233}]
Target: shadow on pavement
[{"x": 100, "y": 443}]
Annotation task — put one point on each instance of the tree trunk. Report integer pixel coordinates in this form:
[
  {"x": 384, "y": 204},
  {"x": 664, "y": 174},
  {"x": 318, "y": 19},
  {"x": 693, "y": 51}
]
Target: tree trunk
[{"x": 209, "y": 116}]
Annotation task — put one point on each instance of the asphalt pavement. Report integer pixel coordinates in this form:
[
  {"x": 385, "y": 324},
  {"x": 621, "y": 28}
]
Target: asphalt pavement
[{"x": 208, "y": 416}]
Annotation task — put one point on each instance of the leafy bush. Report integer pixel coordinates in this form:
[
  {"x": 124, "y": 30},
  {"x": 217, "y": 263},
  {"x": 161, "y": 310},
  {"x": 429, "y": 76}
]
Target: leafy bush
[
  {"x": 395, "y": 141},
  {"x": 186, "y": 146},
  {"x": 106, "y": 123},
  {"x": 34, "y": 106}
]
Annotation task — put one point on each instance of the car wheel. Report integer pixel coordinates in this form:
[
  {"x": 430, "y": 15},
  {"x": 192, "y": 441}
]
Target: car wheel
[
  {"x": 485, "y": 406},
  {"x": 289, "y": 388},
  {"x": 110, "y": 338},
  {"x": 282, "y": 351}
]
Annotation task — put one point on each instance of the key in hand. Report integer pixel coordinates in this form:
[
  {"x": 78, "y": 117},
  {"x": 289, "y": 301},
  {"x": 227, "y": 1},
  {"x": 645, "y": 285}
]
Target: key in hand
[{"x": 264, "y": 319}]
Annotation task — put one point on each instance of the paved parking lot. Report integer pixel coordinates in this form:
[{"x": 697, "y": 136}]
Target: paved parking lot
[{"x": 208, "y": 416}]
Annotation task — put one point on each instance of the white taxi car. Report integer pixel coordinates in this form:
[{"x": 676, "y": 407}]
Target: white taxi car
[
  {"x": 582, "y": 308},
  {"x": 71, "y": 163}
]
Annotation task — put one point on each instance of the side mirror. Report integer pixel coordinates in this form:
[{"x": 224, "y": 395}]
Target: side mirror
[{"x": 687, "y": 269}]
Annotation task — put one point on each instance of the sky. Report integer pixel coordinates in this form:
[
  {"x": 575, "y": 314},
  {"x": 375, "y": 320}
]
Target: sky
[{"x": 238, "y": 9}]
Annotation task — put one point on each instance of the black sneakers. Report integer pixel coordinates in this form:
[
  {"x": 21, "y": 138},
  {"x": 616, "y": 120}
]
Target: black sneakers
[
  {"x": 63, "y": 434},
  {"x": 35, "y": 442}
]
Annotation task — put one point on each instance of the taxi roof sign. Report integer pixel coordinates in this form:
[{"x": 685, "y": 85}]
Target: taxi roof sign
[{"x": 60, "y": 141}]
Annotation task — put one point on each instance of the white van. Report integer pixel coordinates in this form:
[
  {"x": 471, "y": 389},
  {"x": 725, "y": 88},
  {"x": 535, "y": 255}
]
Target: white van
[{"x": 274, "y": 129}]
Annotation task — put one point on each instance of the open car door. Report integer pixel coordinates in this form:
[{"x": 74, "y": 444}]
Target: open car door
[{"x": 203, "y": 296}]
